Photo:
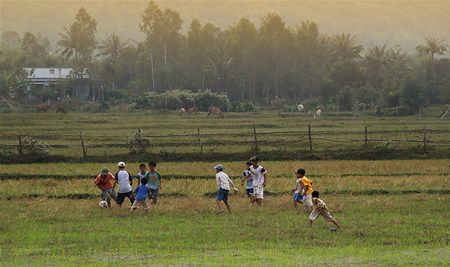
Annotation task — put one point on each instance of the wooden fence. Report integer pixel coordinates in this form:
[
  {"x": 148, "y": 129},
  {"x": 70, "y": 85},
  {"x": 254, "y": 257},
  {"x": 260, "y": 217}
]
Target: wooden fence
[{"x": 197, "y": 139}]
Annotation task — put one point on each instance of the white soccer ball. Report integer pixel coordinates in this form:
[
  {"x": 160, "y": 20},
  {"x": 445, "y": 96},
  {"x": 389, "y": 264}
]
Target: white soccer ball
[
  {"x": 301, "y": 107},
  {"x": 103, "y": 204}
]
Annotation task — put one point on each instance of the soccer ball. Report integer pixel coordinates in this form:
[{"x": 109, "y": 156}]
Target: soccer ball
[
  {"x": 300, "y": 107},
  {"x": 103, "y": 204}
]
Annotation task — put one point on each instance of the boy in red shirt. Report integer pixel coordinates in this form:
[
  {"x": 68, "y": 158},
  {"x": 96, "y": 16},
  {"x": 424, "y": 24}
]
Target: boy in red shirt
[{"x": 103, "y": 183}]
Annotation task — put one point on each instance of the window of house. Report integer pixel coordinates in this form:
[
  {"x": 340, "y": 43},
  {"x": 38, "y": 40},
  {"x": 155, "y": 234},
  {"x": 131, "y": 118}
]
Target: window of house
[{"x": 52, "y": 71}]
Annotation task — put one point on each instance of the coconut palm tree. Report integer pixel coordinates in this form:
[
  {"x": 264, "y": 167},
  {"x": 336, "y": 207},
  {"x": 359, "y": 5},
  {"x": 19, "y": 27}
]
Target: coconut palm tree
[
  {"x": 112, "y": 47},
  {"x": 70, "y": 41},
  {"x": 345, "y": 47},
  {"x": 433, "y": 47}
]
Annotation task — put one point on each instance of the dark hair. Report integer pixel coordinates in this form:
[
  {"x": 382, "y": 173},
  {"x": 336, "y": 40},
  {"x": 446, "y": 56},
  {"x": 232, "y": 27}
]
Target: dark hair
[
  {"x": 152, "y": 163},
  {"x": 301, "y": 171},
  {"x": 315, "y": 194},
  {"x": 142, "y": 165},
  {"x": 144, "y": 180},
  {"x": 248, "y": 163},
  {"x": 254, "y": 158}
]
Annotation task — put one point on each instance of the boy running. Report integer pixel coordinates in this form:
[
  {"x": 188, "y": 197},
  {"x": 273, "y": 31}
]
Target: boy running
[
  {"x": 298, "y": 196},
  {"x": 223, "y": 182},
  {"x": 154, "y": 181},
  {"x": 141, "y": 174},
  {"x": 259, "y": 179},
  {"x": 103, "y": 183},
  {"x": 141, "y": 192},
  {"x": 307, "y": 188},
  {"x": 125, "y": 181},
  {"x": 249, "y": 181},
  {"x": 320, "y": 209}
]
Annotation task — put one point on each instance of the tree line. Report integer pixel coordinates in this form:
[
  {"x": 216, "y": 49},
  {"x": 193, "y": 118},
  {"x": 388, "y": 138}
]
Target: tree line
[{"x": 274, "y": 63}]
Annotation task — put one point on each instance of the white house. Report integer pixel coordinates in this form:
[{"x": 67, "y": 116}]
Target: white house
[{"x": 43, "y": 78}]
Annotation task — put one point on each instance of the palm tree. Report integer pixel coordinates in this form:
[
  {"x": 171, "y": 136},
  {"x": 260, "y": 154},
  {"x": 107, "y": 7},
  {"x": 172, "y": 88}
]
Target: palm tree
[
  {"x": 70, "y": 41},
  {"x": 222, "y": 71},
  {"x": 433, "y": 47},
  {"x": 345, "y": 47},
  {"x": 112, "y": 47}
]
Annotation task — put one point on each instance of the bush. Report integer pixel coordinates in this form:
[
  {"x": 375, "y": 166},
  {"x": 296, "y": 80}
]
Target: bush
[
  {"x": 136, "y": 141},
  {"x": 33, "y": 147}
]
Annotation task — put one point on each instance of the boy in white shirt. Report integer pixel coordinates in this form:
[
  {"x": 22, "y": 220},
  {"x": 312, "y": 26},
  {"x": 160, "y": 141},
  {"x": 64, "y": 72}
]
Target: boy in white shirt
[
  {"x": 298, "y": 196},
  {"x": 223, "y": 182},
  {"x": 125, "y": 181},
  {"x": 259, "y": 179}
]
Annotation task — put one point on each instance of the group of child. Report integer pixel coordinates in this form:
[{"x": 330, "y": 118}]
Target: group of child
[
  {"x": 255, "y": 175},
  {"x": 148, "y": 183}
]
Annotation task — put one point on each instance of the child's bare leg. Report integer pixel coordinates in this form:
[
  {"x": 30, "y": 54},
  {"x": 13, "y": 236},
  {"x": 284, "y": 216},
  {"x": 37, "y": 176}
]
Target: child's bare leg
[
  {"x": 146, "y": 211},
  {"x": 118, "y": 206},
  {"x": 220, "y": 206},
  {"x": 109, "y": 203},
  {"x": 228, "y": 206},
  {"x": 251, "y": 199},
  {"x": 259, "y": 201},
  {"x": 295, "y": 203},
  {"x": 336, "y": 223},
  {"x": 310, "y": 223}
]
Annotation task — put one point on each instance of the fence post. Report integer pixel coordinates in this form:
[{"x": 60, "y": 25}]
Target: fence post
[
  {"x": 82, "y": 144},
  {"x": 310, "y": 141},
  {"x": 256, "y": 141},
  {"x": 420, "y": 113},
  {"x": 425, "y": 138},
  {"x": 365, "y": 138},
  {"x": 20, "y": 144},
  {"x": 444, "y": 114},
  {"x": 140, "y": 138},
  {"x": 200, "y": 142}
]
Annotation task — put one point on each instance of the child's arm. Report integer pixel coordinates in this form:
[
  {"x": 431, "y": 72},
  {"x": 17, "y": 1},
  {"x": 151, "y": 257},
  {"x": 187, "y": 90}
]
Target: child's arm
[
  {"x": 265, "y": 176},
  {"x": 232, "y": 184},
  {"x": 114, "y": 185},
  {"x": 160, "y": 178}
]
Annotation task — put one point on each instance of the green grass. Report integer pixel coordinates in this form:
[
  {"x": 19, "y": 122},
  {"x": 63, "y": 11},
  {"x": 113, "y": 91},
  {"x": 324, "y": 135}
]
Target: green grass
[{"x": 387, "y": 219}]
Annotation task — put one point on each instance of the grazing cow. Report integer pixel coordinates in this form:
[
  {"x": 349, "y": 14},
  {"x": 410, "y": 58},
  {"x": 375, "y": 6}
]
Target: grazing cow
[
  {"x": 182, "y": 111},
  {"x": 301, "y": 108},
  {"x": 58, "y": 109},
  {"x": 445, "y": 107},
  {"x": 190, "y": 110},
  {"x": 216, "y": 111},
  {"x": 42, "y": 108},
  {"x": 318, "y": 113}
]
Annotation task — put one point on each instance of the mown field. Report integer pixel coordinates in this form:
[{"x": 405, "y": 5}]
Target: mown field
[
  {"x": 393, "y": 213},
  {"x": 104, "y": 133}
]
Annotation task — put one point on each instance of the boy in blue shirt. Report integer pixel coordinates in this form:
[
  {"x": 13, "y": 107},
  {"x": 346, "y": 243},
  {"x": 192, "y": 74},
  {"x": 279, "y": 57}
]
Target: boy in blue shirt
[
  {"x": 141, "y": 174},
  {"x": 154, "y": 180},
  {"x": 249, "y": 181},
  {"x": 141, "y": 193}
]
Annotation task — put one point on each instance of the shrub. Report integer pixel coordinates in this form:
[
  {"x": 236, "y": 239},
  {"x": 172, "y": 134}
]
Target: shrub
[
  {"x": 33, "y": 147},
  {"x": 137, "y": 142}
]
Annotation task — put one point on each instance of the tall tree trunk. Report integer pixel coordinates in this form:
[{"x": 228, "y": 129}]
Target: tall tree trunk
[{"x": 153, "y": 73}]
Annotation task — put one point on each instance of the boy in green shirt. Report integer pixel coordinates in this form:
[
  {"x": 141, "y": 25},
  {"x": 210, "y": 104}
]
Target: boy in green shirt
[{"x": 154, "y": 181}]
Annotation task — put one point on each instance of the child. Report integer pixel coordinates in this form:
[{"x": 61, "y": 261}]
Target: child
[
  {"x": 125, "y": 181},
  {"x": 141, "y": 174},
  {"x": 320, "y": 209},
  {"x": 223, "y": 181},
  {"x": 298, "y": 196},
  {"x": 154, "y": 181},
  {"x": 259, "y": 179},
  {"x": 103, "y": 183},
  {"x": 307, "y": 188},
  {"x": 141, "y": 192},
  {"x": 249, "y": 181}
]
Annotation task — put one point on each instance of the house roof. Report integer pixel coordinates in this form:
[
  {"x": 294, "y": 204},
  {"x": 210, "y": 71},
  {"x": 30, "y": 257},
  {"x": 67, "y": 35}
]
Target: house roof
[{"x": 50, "y": 74}]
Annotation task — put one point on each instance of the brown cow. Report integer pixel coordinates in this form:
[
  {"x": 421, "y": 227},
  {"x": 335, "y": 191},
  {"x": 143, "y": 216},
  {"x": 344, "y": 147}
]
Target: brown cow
[
  {"x": 190, "y": 110},
  {"x": 216, "y": 111},
  {"x": 58, "y": 109},
  {"x": 42, "y": 108},
  {"x": 445, "y": 107},
  {"x": 182, "y": 111}
]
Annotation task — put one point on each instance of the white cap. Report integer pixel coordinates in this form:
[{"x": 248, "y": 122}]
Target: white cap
[{"x": 121, "y": 164}]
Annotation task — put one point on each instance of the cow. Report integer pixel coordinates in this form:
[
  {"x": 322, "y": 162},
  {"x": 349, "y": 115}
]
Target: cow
[
  {"x": 445, "y": 107},
  {"x": 42, "y": 108},
  {"x": 216, "y": 111},
  {"x": 190, "y": 110},
  {"x": 301, "y": 108},
  {"x": 318, "y": 113},
  {"x": 58, "y": 109},
  {"x": 182, "y": 111}
]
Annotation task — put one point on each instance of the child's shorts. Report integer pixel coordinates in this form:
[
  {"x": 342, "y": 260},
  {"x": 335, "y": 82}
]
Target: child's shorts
[
  {"x": 121, "y": 197},
  {"x": 259, "y": 192},
  {"x": 315, "y": 214},
  {"x": 308, "y": 200},
  {"x": 249, "y": 192},
  {"x": 222, "y": 194},
  {"x": 108, "y": 193},
  {"x": 298, "y": 196},
  {"x": 138, "y": 203}
]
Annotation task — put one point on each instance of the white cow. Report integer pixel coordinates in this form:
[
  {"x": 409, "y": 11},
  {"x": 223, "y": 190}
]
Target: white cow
[
  {"x": 182, "y": 111},
  {"x": 318, "y": 113}
]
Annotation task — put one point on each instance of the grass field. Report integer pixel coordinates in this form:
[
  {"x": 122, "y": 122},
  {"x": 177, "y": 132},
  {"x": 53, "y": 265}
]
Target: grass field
[
  {"x": 114, "y": 126},
  {"x": 393, "y": 213}
]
